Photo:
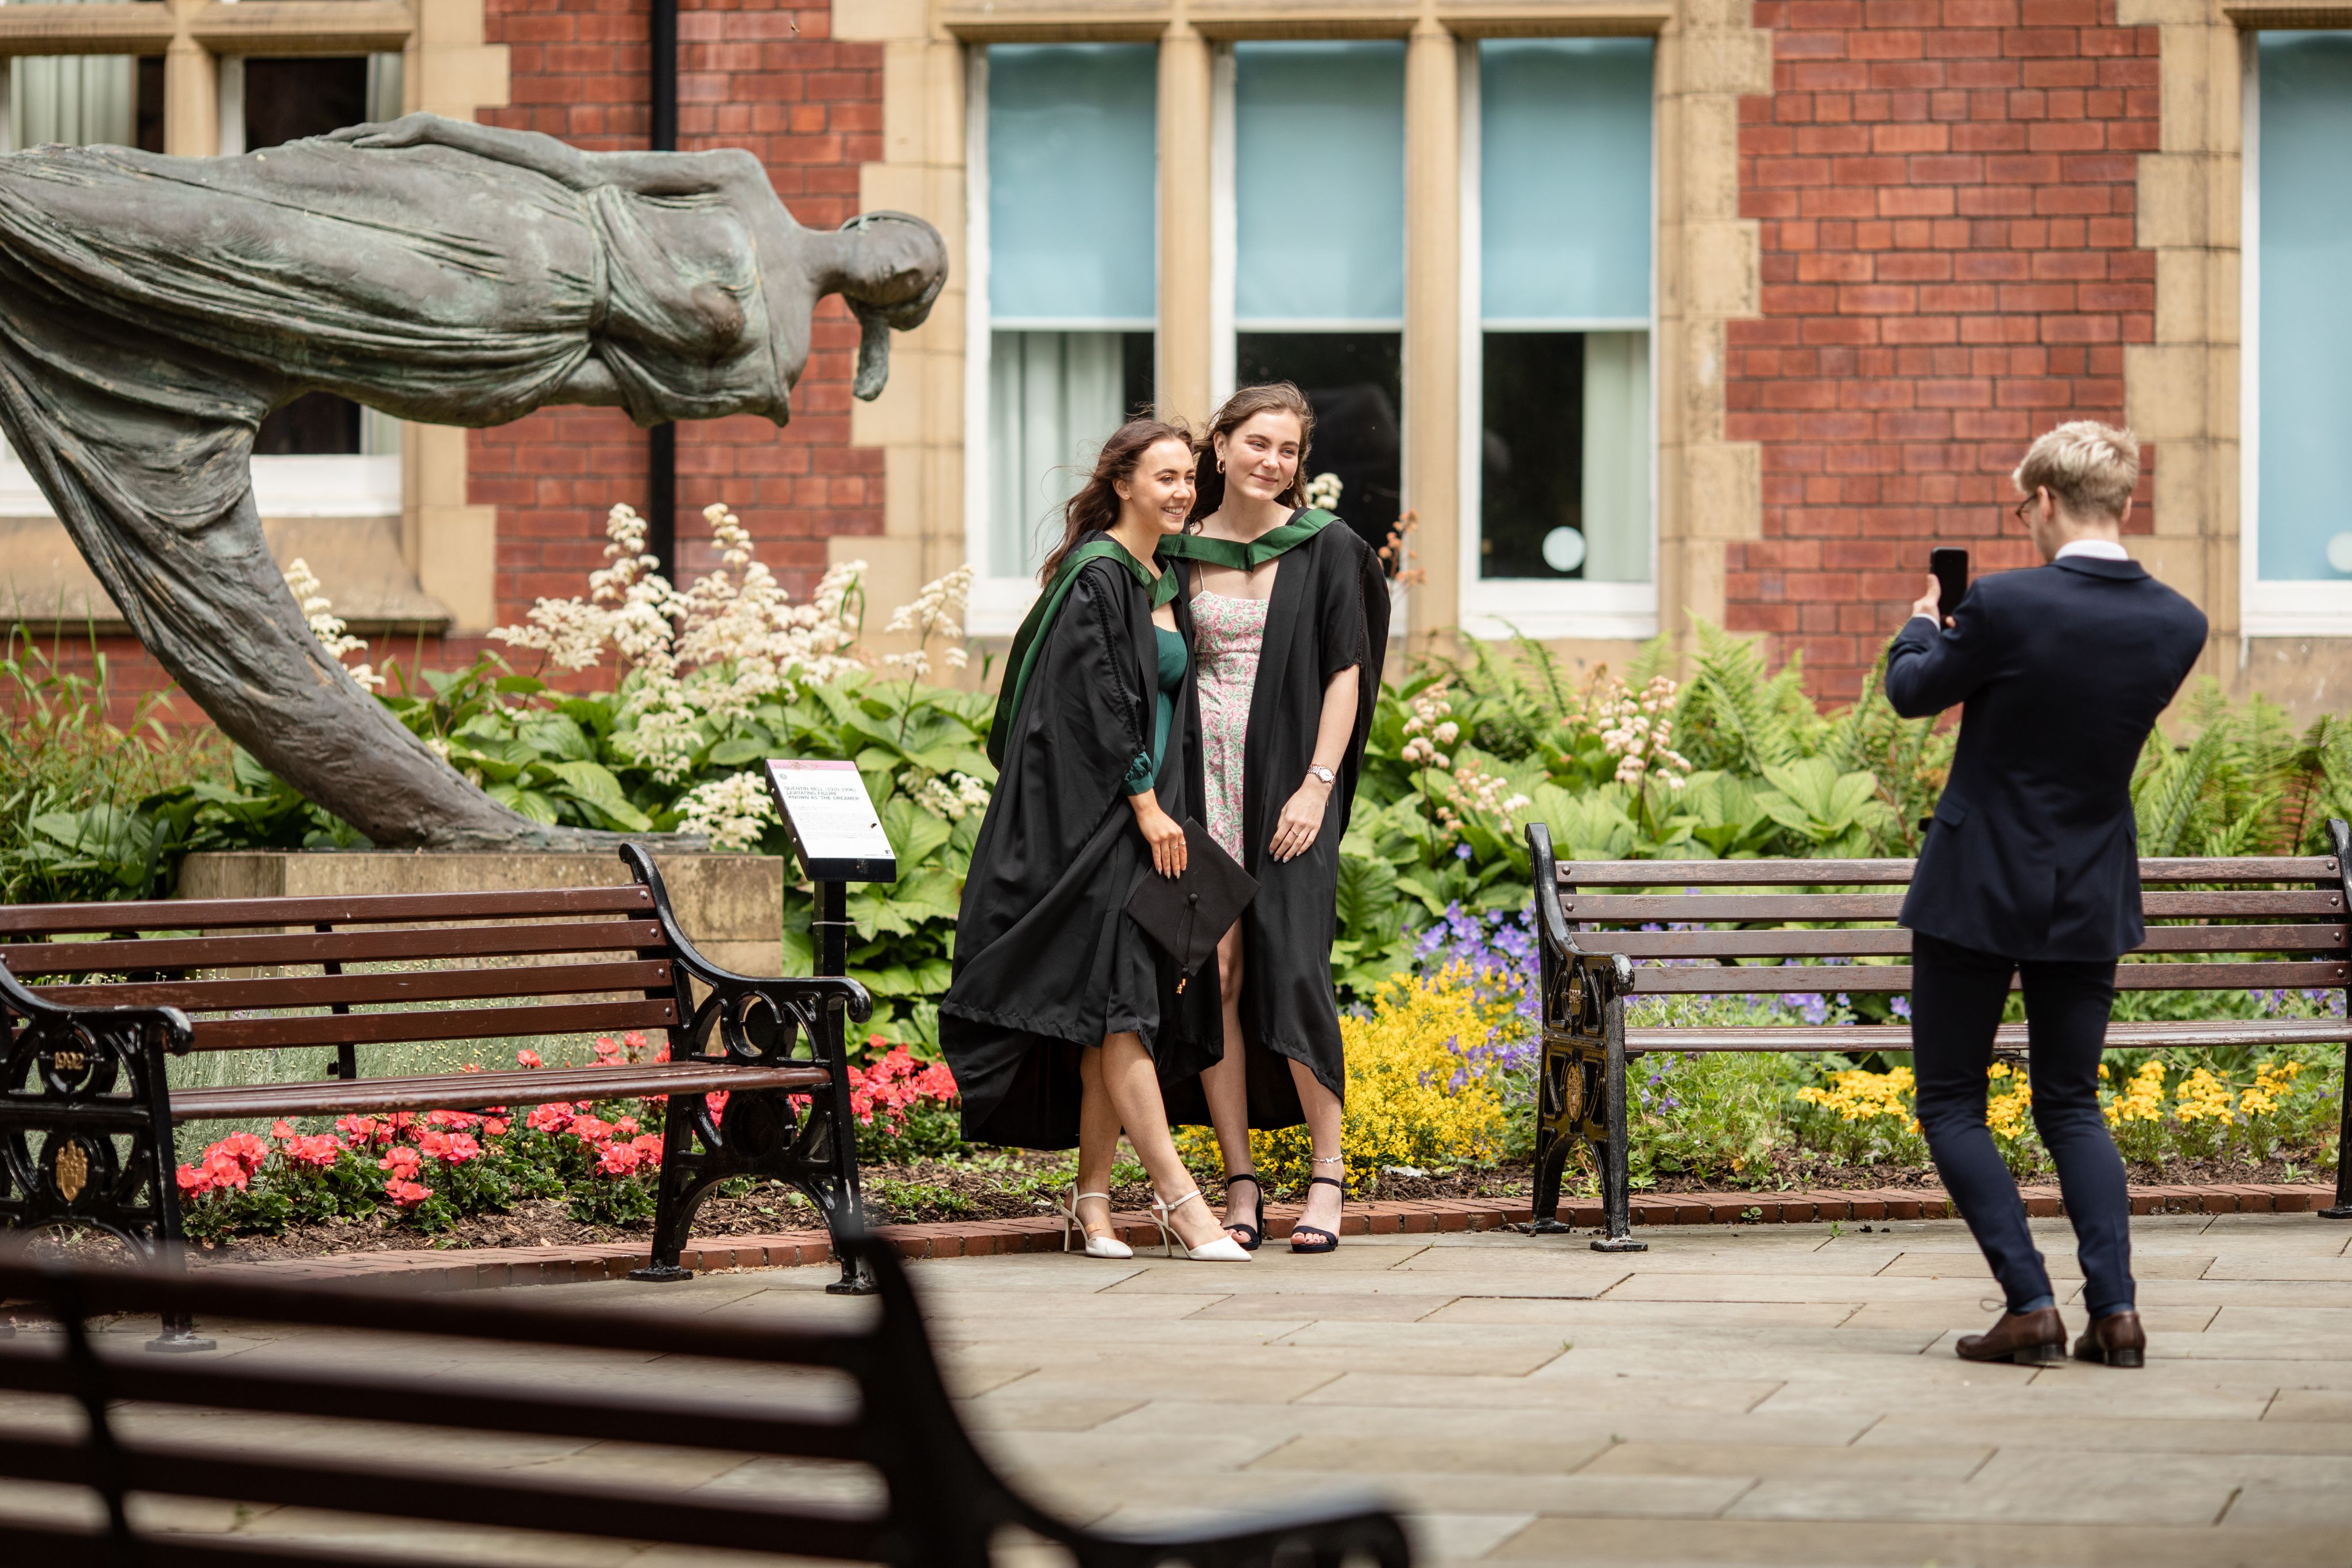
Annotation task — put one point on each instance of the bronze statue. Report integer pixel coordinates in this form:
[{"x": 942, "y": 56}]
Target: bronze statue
[{"x": 152, "y": 309}]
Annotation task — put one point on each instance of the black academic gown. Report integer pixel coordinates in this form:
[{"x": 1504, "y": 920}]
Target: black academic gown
[
  {"x": 1329, "y": 612},
  {"x": 1047, "y": 961}
]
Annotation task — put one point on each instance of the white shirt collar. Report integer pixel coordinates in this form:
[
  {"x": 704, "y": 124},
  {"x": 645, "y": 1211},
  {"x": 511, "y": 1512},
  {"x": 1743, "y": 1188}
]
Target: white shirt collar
[{"x": 2102, "y": 550}]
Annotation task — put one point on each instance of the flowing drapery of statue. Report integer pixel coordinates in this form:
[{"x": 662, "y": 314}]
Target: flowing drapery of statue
[{"x": 154, "y": 309}]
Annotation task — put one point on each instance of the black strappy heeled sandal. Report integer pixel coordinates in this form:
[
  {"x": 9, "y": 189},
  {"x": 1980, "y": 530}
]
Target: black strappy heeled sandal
[
  {"x": 1323, "y": 1240},
  {"x": 1251, "y": 1236}
]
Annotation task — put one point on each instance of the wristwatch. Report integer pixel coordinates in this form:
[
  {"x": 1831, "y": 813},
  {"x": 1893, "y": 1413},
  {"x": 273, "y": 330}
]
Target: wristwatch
[{"x": 1318, "y": 770}]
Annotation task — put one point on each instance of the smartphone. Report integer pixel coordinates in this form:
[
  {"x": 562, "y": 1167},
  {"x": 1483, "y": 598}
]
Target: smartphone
[{"x": 1951, "y": 570}]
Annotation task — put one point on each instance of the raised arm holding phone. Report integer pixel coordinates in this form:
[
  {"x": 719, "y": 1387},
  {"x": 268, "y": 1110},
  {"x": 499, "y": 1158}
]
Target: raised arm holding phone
[{"x": 2031, "y": 866}]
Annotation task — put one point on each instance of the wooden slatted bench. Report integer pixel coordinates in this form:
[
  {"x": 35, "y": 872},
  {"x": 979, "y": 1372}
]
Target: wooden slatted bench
[
  {"x": 938, "y": 1503},
  {"x": 94, "y": 996},
  {"x": 1610, "y": 930}
]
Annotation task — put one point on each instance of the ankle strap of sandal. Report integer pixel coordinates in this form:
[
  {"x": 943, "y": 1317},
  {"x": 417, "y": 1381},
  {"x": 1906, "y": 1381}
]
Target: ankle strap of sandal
[{"x": 1172, "y": 1208}]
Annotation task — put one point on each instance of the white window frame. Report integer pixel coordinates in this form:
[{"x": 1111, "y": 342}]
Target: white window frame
[
  {"x": 326, "y": 486},
  {"x": 2273, "y": 609},
  {"x": 998, "y": 604},
  {"x": 1496, "y": 608}
]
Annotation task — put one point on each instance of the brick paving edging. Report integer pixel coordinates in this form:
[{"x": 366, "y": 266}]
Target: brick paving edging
[{"x": 481, "y": 1268}]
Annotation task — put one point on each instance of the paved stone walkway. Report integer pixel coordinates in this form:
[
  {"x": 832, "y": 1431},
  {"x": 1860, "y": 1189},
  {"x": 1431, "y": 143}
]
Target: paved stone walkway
[{"x": 1734, "y": 1395}]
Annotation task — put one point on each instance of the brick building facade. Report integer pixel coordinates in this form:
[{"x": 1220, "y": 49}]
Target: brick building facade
[
  {"x": 1949, "y": 265},
  {"x": 1883, "y": 242}
]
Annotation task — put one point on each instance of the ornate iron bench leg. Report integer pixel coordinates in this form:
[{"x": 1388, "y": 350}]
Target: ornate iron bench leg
[
  {"x": 2340, "y": 839},
  {"x": 2343, "y": 1205},
  {"x": 1616, "y": 1180},
  {"x": 673, "y": 1211},
  {"x": 1559, "y": 1108}
]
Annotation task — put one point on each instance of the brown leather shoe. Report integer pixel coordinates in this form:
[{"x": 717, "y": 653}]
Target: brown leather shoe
[
  {"x": 2116, "y": 1339},
  {"x": 2029, "y": 1339}
]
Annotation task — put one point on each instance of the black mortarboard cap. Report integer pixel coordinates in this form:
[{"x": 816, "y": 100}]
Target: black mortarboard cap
[{"x": 1186, "y": 914}]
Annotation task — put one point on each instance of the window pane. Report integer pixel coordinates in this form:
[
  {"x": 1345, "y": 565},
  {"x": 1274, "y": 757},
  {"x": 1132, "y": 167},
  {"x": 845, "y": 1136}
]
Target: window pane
[
  {"x": 78, "y": 100},
  {"x": 285, "y": 100},
  {"x": 2304, "y": 385},
  {"x": 1319, "y": 182},
  {"x": 1053, "y": 398},
  {"x": 1564, "y": 180},
  {"x": 1354, "y": 382},
  {"x": 1072, "y": 205},
  {"x": 1565, "y": 456}
]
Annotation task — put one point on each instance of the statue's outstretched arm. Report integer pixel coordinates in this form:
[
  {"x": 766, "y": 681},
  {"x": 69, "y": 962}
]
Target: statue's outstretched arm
[{"x": 647, "y": 173}]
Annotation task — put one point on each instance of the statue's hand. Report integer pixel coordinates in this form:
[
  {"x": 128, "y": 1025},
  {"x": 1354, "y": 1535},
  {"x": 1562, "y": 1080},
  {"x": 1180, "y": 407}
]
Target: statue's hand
[{"x": 408, "y": 131}]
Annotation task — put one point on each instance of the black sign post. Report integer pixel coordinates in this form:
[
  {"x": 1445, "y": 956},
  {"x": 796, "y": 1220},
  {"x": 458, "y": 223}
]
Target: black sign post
[{"x": 838, "y": 836}]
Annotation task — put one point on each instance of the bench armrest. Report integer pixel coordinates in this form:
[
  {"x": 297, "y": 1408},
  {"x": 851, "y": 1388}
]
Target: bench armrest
[
  {"x": 168, "y": 1025},
  {"x": 792, "y": 992}
]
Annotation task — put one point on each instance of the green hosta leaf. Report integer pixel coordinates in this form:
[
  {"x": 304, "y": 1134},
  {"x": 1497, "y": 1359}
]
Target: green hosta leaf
[
  {"x": 914, "y": 833},
  {"x": 554, "y": 735},
  {"x": 743, "y": 748},
  {"x": 532, "y": 804},
  {"x": 592, "y": 784}
]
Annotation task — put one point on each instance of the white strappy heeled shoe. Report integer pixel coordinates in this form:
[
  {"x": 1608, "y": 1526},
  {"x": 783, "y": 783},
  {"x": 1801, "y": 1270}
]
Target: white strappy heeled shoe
[
  {"x": 1097, "y": 1246},
  {"x": 1223, "y": 1249}
]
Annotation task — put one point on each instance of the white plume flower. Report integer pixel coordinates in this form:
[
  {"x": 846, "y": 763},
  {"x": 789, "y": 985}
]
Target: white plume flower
[{"x": 326, "y": 625}]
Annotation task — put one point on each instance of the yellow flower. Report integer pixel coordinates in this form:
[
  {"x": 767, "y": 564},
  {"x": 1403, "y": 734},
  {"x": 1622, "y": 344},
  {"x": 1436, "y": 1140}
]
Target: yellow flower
[
  {"x": 2141, "y": 1100},
  {"x": 2201, "y": 1097},
  {"x": 1857, "y": 1096},
  {"x": 1411, "y": 1099}
]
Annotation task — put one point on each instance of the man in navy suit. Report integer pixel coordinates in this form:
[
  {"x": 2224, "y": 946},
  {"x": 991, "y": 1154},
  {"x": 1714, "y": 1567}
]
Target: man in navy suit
[{"x": 2032, "y": 866}]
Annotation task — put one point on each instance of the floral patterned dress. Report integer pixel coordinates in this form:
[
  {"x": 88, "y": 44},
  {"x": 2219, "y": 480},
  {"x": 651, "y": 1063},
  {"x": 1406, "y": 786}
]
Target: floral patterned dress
[{"x": 1229, "y": 635}]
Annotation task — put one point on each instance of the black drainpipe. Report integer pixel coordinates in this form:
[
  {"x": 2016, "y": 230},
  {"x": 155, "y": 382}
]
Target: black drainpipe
[{"x": 661, "y": 443}]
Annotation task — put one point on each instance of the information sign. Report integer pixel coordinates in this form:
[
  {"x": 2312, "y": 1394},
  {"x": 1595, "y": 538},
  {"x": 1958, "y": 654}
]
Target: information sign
[{"x": 835, "y": 829}]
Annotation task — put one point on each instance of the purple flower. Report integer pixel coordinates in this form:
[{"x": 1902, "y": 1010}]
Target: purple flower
[
  {"x": 1462, "y": 852},
  {"x": 1901, "y": 1008}
]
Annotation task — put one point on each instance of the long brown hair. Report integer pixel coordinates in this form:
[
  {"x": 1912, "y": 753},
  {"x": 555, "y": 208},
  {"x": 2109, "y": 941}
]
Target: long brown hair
[
  {"x": 1095, "y": 506},
  {"x": 1266, "y": 397}
]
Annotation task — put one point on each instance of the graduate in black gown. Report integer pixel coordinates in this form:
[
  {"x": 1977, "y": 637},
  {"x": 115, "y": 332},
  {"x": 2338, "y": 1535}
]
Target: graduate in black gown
[
  {"x": 1290, "y": 610},
  {"x": 1064, "y": 1017}
]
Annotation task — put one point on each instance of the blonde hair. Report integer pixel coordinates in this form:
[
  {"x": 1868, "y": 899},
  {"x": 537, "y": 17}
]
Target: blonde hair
[{"x": 2091, "y": 468}]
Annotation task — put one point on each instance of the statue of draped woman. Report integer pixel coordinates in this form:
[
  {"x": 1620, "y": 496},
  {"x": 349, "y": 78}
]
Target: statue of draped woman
[{"x": 154, "y": 309}]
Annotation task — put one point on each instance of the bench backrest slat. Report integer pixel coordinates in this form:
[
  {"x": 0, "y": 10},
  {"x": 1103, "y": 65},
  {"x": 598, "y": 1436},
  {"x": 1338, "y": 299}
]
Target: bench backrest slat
[
  {"x": 198, "y": 996},
  {"x": 461, "y": 1023},
  {"x": 671, "y": 1417},
  {"x": 373, "y": 909},
  {"x": 1720, "y": 906},
  {"x": 1817, "y": 979},
  {"x": 1893, "y": 941},
  {"x": 152, "y": 953},
  {"x": 1894, "y": 873}
]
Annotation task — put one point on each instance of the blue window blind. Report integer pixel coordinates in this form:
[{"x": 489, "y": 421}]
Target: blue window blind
[
  {"x": 2305, "y": 382},
  {"x": 1564, "y": 181},
  {"x": 1073, "y": 201},
  {"x": 1318, "y": 183}
]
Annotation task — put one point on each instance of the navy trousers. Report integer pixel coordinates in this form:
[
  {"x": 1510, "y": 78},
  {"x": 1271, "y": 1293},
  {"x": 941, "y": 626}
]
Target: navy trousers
[{"x": 1956, "y": 1001}]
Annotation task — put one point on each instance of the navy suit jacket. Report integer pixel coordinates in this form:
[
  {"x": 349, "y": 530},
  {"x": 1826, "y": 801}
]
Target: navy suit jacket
[{"x": 2062, "y": 669}]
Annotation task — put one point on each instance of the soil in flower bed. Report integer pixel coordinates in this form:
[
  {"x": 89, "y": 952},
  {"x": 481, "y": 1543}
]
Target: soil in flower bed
[{"x": 1010, "y": 1185}]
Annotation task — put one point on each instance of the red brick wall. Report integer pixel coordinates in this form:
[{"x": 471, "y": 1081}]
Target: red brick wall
[
  {"x": 760, "y": 74},
  {"x": 1946, "y": 194}
]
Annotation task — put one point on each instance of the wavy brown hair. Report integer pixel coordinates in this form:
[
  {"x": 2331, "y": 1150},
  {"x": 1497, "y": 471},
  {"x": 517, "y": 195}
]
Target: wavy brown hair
[
  {"x": 1095, "y": 506},
  {"x": 1266, "y": 397}
]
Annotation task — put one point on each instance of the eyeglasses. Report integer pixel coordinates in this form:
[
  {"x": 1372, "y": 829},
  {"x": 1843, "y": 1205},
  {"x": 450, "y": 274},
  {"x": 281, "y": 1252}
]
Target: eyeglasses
[{"x": 2023, "y": 507}]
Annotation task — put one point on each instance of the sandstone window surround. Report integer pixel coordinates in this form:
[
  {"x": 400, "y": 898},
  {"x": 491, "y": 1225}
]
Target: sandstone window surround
[
  {"x": 2294, "y": 544},
  {"x": 1199, "y": 253},
  {"x": 1061, "y": 315},
  {"x": 387, "y": 530}
]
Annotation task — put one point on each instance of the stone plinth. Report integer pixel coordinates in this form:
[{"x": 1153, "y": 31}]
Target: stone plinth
[{"x": 730, "y": 906}]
